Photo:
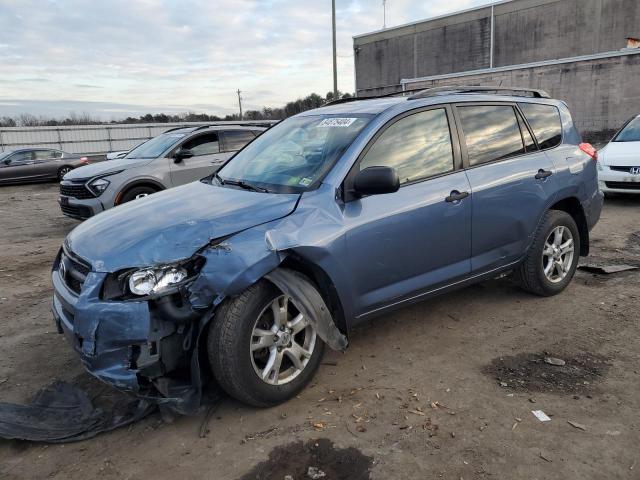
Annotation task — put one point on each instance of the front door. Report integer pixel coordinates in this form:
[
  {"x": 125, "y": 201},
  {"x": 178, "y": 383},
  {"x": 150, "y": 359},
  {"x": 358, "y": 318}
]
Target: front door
[
  {"x": 17, "y": 167},
  {"x": 206, "y": 159},
  {"x": 403, "y": 244},
  {"x": 512, "y": 182}
]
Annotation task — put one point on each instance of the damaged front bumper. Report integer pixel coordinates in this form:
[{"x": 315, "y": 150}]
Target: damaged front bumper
[{"x": 127, "y": 344}]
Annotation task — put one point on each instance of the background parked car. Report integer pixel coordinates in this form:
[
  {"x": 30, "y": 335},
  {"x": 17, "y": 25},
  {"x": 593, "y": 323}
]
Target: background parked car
[
  {"x": 619, "y": 160},
  {"x": 37, "y": 164},
  {"x": 176, "y": 157}
]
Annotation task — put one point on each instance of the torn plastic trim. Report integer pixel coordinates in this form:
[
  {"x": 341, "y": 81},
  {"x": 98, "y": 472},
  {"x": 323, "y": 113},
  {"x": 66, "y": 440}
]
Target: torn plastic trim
[{"x": 310, "y": 303}]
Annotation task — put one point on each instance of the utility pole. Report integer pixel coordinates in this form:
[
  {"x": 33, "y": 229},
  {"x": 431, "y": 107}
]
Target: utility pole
[
  {"x": 384, "y": 14},
  {"x": 240, "y": 103},
  {"x": 335, "y": 61}
]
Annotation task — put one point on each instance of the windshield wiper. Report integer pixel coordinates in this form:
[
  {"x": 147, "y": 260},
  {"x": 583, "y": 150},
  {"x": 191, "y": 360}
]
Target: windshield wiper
[{"x": 241, "y": 184}]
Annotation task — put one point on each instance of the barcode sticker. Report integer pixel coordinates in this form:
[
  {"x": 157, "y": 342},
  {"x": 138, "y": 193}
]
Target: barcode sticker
[{"x": 337, "y": 122}]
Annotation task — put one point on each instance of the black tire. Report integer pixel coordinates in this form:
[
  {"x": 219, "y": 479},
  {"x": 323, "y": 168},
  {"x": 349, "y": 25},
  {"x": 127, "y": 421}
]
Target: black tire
[
  {"x": 228, "y": 346},
  {"x": 530, "y": 275},
  {"x": 63, "y": 171},
  {"x": 136, "y": 192}
]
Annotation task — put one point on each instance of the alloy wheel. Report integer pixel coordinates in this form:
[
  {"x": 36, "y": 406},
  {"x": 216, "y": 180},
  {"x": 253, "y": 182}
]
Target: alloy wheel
[
  {"x": 282, "y": 342},
  {"x": 557, "y": 255}
]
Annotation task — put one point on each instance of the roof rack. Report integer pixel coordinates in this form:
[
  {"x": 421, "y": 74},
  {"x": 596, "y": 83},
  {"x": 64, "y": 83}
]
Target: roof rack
[
  {"x": 431, "y": 92},
  {"x": 266, "y": 124}
]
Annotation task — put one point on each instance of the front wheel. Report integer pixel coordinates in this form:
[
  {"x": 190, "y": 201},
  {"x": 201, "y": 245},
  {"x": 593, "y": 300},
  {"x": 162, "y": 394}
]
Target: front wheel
[
  {"x": 137, "y": 192},
  {"x": 553, "y": 256},
  {"x": 262, "y": 350}
]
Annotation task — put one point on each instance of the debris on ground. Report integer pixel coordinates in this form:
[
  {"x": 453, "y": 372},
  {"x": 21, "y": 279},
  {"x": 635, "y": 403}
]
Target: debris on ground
[
  {"x": 577, "y": 425},
  {"x": 540, "y": 415},
  {"x": 544, "y": 372},
  {"x": 606, "y": 269},
  {"x": 555, "y": 361},
  {"x": 63, "y": 412},
  {"x": 314, "y": 473}
]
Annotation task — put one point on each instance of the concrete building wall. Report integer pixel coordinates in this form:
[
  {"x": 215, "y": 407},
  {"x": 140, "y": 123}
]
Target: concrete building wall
[
  {"x": 601, "y": 93},
  {"x": 524, "y": 31}
]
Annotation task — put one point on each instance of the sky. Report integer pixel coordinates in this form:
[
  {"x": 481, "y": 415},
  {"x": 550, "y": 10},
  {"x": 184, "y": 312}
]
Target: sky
[{"x": 115, "y": 58}]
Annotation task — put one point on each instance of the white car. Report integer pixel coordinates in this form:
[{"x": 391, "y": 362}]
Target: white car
[{"x": 619, "y": 161}]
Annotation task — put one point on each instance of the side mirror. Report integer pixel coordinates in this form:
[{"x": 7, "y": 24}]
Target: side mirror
[
  {"x": 6, "y": 161},
  {"x": 376, "y": 181},
  {"x": 182, "y": 154}
]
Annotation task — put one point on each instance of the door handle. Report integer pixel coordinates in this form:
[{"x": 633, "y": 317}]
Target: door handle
[
  {"x": 543, "y": 174},
  {"x": 455, "y": 196}
]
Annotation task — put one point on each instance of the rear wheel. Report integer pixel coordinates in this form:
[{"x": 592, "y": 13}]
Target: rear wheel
[
  {"x": 262, "y": 350},
  {"x": 63, "y": 171},
  {"x": 136, "y": 193},
  {"x": 553, "y": 257}
]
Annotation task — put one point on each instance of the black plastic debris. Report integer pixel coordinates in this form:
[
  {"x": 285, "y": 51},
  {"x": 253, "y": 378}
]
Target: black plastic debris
[{"x": 63, "y": 413}]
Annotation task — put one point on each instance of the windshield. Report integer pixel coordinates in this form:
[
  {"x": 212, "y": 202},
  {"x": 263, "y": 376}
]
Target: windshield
[
  {"x": 155, "y": 147},
  {"x": 4, "y": 155},
  {"x": 295, "y": 154},
  {"x": 630, "y": 133}
]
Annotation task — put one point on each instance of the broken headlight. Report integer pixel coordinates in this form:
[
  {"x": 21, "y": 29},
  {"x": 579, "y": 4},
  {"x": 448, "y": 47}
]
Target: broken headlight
[{"x": 156, "y": 280}]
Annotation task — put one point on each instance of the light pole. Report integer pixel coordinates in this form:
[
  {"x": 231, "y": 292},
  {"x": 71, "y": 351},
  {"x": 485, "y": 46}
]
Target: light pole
[
  {"x": 335, "y": 61},
  {"x": 384, "y": 14},
  {"x": 240, "y": 103}
]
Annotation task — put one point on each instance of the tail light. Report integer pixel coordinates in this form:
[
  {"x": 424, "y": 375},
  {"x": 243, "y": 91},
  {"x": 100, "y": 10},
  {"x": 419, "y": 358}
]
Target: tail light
[
  {"x": 589, "y": 150},
  {"x": 84, "y": 160}
]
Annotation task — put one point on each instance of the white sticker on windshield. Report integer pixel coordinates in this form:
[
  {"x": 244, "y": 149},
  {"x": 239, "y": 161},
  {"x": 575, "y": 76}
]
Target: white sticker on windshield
[
  {"x": 337, "y": 122},
  {"x": 305, "y": 182}
]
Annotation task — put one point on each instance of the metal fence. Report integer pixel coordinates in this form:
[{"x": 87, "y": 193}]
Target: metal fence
[{"x": 93, "y": 139}]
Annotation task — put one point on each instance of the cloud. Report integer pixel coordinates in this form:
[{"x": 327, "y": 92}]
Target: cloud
[{"x": 156, "y": 54}]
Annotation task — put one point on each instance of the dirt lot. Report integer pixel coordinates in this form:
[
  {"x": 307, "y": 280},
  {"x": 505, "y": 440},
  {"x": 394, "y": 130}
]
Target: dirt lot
[{"x": 443, "y": 389}]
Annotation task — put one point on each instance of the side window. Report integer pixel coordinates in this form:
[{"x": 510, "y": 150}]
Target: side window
[
  {"x": 203, "y": 145},
  {"x": 545, "y": 122},
  {"x": 529, "y": 143},
  {"x": 21, "y": 158},
  {"x": 491, "y": 132},
  {"x": 236, "y": 139},
  {"x": 43, "y": 154},
  {"x": 417, "y": 146},
  {"x": 56, "y": 154}
]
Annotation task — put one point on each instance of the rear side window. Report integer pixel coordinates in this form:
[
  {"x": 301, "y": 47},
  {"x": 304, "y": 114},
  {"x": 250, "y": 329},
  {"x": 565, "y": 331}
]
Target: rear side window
[
  {"x": 236, "y": 139},
  {"x": 417, "y": 146},
  {"x": 43, "y": 154},
  {"x": 491, "y": 132},
  {"x": 545, "y": 122}
]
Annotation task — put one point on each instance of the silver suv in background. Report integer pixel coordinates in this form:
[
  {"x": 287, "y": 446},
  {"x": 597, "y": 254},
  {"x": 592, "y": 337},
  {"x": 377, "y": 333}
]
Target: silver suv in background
[{"x": 176, "y": 157}]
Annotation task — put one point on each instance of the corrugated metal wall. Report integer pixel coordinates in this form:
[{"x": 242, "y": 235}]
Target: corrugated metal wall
[{"x": 92, "y": 139}]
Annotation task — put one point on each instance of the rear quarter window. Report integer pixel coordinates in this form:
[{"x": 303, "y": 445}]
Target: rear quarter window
[{"x": 545, "y": 122}]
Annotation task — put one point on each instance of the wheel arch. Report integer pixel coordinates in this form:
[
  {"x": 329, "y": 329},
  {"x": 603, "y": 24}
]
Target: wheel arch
[
  {"x": 573, "y": 207},
  {"x": 138, "y": 182},
  {"x": 323, "y": 282}
]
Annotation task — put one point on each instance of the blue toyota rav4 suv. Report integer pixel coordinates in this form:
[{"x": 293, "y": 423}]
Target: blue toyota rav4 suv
[{"x": 331, "y": 217}]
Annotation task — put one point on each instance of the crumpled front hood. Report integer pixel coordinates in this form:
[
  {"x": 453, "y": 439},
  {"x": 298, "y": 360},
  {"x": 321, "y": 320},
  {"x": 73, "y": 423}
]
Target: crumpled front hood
[
  {"x": 623, "y": 154},
  {"x": 172, "y": 225},
  {"x": 101, "y": 168}
]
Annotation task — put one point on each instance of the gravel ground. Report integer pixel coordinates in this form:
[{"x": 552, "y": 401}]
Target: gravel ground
[{"x": 442, "y": 389}]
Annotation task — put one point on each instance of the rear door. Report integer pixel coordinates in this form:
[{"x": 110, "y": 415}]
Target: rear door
[
  {"x": 17, "y": 167},
  {"x": 511, "y": 182},
  {"x": 206, "y": 156},
  {"x": 404, "y": 244},
  {"x": 44, "y": 163}
]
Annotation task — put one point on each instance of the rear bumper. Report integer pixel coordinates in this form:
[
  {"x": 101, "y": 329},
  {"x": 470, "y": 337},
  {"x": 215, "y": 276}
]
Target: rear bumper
[{"x": 612, "y": 181}]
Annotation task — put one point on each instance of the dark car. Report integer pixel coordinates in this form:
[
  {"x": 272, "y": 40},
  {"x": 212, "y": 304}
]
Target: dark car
[
  {"x": 37, "y": 164},
  {"x": 330, "y": 218}
]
